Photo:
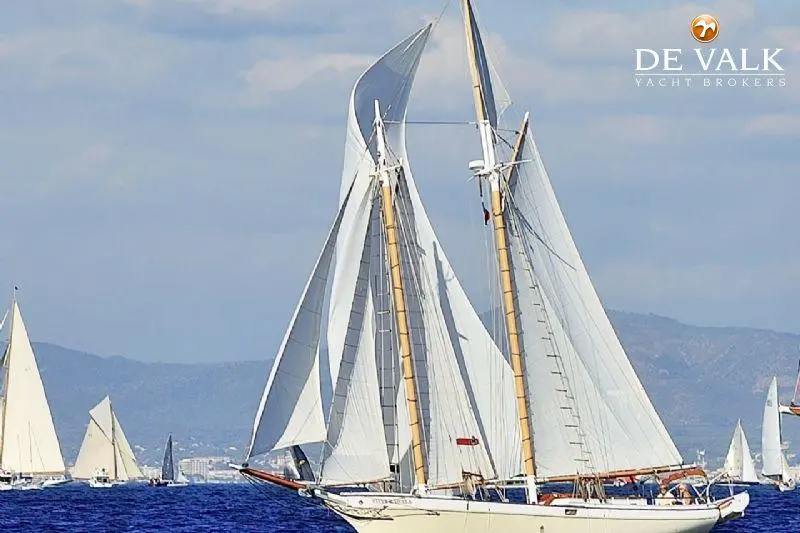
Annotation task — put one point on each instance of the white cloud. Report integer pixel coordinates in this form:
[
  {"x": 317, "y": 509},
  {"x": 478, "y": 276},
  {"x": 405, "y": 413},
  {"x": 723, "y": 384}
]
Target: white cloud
[{"x": 615, "y": 34}]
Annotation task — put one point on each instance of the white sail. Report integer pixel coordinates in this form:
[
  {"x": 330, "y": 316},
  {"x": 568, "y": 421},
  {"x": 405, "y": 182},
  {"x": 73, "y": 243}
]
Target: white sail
[
  {"x": 357, "y": 444},
  {"x": 105, "y": 447},
  {"x": 739, "y": 463},
  {"x": 447, "y": 335},
  {"x": 290, "y": 412},
  {"x": 771, "y": 454},
  {"x": 128, "y": 466},
  {"x": 29, "y": 441},
  {"x": 573, "y": 357}
]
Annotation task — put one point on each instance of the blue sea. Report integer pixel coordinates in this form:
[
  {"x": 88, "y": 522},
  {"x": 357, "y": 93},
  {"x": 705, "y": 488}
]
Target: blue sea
[{"x": 246, "y": 508}]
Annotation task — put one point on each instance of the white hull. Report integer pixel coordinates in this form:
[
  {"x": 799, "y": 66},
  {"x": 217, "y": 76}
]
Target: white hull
[
  {"x": 50, "y": 483},
  {"x": 391, "y": 514},
  {"x": 97, "y": 484}
]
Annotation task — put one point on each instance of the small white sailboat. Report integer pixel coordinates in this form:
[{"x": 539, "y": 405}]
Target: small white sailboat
[
  {"x": 168, "y": 478},
  {"x": 739, "y": 467},
  {"x": 774, "y": 464},
  {"x": 30, "y": 455},
  {"x": 105, "y": 458},
  {"x": 429, "y": 414}
]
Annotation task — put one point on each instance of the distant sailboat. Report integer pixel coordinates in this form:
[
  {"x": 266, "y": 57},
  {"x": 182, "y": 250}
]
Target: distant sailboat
[
  {"x": 775, "y": 466},
  {"x": 739, "y": 467},
  {"x": 30, "y": 455},
  {"x": 105, "y": 458},
  {"x": 168, "y": 470}
]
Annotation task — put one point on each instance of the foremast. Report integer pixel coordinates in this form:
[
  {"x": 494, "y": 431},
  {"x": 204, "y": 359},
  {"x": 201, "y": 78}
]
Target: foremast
[
  {"x": 491, "y": 171},
  {"x": 398, "y": 299}
]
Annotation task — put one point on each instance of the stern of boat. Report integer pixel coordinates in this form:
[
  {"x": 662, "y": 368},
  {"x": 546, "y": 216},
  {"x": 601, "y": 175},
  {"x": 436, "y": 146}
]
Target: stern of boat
[{"x": 733, "y": 507}]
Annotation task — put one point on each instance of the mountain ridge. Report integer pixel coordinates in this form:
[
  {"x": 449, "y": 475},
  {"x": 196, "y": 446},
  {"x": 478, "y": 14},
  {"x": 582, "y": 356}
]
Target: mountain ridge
[{"x": 701, "y": 379}]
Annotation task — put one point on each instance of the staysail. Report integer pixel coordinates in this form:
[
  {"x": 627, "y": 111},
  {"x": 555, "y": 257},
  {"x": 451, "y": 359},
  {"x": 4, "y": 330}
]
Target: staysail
[
  {"x": 739, "y": 463},
  {"x": 29, "y": 442},
  {"x": 167, "y": 465},
  {"x": 105, "y": 447}
]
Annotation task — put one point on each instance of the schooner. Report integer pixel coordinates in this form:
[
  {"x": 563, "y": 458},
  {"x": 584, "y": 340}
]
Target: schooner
[
  {"x": 431, "y": 415},
  {"x": 30, "y": 455}
]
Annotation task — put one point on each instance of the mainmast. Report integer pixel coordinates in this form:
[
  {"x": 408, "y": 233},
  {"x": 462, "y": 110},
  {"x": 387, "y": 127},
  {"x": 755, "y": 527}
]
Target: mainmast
[
  {"x": 398, "y": 297},
  {"x": 484, "y": 108}
]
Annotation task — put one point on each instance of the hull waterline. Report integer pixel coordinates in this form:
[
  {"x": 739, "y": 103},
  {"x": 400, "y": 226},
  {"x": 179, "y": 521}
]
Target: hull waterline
[{"x": 390, "y": 514}]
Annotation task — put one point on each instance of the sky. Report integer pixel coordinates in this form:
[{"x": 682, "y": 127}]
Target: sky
[{"x": 170, "y": 168}]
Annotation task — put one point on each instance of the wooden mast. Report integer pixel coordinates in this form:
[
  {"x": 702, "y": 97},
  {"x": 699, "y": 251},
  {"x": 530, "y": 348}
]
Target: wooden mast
[
  {"x": 399, "y": 301},
  {"x": 501, "y": 241}
]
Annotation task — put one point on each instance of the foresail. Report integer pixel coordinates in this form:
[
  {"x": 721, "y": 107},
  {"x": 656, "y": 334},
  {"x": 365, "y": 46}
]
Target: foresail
[
  {"x": 771, "y": 453},
  {"x": 619, "y": 427},
  {"x": 749, "y": 474},
  {"x": 356, "y": 444},
  {"x": 29, "y": 441},
  {"x": 290, "y": 412},
  {"x": 126, "y": 461}
]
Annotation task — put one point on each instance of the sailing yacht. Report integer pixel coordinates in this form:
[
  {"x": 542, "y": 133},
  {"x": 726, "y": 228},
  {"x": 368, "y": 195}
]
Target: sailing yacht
[
  {"x": 167, "y": 470},
  {"x": 105, "y": 458},
  {"x": 30, "y": 456},
  {"x": 439, "y": 425},
  {"x": 775, "y": 466},
  {"x": 739, "y": 467}
]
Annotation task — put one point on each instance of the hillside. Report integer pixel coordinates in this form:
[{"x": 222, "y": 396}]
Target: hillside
[{"x": 700, "y": 379}]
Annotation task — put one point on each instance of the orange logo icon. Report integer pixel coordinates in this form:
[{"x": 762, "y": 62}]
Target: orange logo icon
[{"x": 704, "y": 28}]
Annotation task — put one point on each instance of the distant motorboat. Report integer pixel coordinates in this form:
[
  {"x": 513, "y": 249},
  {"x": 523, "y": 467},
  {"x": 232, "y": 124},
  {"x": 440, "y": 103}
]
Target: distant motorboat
[
  {"x": 101, "y": 480},
  {"x": 105, "y": 458},
  {"x": 168, "y": 478},
  {"x": 30, "y": 454},
  {"x": 14, "y": 481}
]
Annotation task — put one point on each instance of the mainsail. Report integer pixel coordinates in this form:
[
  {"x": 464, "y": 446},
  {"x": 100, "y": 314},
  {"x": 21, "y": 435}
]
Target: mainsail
[
  {"x": 29, "y": 442},
  {"x": 588, "y": 411},
  {"x": 105, "y": 447},
  {"x": 167, "y": 465},
  {"x": 739, "y": 463}
]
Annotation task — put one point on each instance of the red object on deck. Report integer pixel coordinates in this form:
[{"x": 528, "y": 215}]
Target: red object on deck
[
  {"x": 467, "y": 441},
  {"x": 272, "y": 478}
]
